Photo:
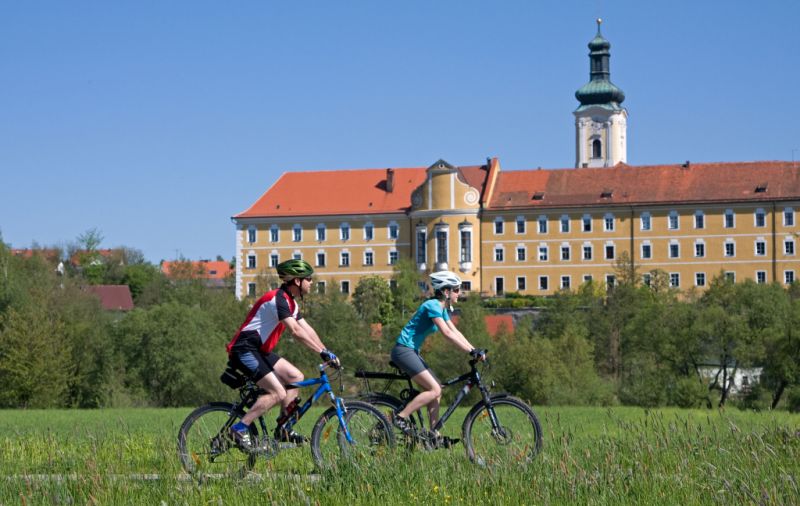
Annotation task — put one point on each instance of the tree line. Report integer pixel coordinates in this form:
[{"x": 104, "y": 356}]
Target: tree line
[{"x": 630, "y": 344}]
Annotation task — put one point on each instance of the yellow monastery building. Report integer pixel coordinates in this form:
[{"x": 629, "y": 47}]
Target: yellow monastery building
[{"x": 535, "y": 231}]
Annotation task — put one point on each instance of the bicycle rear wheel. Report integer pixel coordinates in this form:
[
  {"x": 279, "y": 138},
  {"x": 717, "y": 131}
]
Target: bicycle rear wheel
[
  {"x": 204, "y": 446},
  {"x": 371, "y": 432},
  {"x": 515, "y": 441}
]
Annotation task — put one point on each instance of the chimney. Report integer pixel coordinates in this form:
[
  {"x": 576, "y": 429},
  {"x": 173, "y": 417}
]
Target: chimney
[{"x": 389, "y": 180}]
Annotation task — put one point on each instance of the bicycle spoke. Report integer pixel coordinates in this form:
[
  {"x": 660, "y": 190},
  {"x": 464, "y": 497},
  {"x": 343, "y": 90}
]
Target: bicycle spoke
[{"x": 515, "y": 441}]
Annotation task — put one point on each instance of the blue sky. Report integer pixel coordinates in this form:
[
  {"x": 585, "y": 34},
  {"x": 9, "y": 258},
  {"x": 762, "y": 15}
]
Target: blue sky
[{"x": 155, "y": 122}]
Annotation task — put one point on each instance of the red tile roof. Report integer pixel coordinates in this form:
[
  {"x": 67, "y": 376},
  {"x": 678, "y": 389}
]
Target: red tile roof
[
  {"x": 207, "y": 269},
  {"x": 654, "y": 184},
  {"x": 495, "y": 323},
  {"x": 337, "y": 192},
  {"x": 113, "y": 297},
  {"x": 52, "y": 254}
]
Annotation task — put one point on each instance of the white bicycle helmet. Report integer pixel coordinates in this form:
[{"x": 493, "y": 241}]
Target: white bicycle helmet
[{"x": 445, "y": 279}]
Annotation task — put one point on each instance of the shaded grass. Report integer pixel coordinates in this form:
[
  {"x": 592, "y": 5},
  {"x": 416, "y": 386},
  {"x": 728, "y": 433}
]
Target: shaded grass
[{"x": 591, "y": 456}]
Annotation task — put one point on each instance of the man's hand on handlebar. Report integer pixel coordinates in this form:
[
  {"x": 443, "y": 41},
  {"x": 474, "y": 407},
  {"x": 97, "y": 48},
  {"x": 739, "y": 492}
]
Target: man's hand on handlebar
[
  {"x": 478, "y": 354},
  {"x": 330, "y": 357}
]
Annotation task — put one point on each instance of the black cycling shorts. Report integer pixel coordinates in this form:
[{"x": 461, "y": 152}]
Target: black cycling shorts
[{"x": 254, "y": 364}]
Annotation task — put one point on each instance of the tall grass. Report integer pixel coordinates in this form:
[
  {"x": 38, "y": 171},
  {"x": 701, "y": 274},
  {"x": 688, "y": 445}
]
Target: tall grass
[{"x": 591, "y": 456}]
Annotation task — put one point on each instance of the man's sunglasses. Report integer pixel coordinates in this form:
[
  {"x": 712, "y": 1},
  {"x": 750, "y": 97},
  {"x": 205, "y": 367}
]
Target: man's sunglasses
[{"x": 309, "y": 279}]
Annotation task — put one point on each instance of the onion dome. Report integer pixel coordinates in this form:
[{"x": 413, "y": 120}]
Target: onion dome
[{"x": 600, "y": 90}]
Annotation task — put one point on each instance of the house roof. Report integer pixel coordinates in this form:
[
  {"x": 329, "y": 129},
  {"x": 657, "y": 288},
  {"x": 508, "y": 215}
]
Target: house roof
[
  {"x": 52, "y": 254},
  {"x": 653, "y": 184},
  {"x": 206, "y": 269},
  {"x": 113, "y": 297},
  {"x": 495, "y": 323}
]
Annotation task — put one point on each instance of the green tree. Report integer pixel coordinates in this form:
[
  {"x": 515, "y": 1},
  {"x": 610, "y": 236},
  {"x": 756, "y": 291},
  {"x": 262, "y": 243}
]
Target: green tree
[{"x": 373, "y": 300}]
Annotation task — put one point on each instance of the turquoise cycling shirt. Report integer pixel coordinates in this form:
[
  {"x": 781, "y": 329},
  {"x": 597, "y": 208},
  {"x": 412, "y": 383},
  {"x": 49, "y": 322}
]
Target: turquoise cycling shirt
[{"x": 421, "y": 324}]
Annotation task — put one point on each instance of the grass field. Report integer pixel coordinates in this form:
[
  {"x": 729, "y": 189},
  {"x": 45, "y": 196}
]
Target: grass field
[{"x": 590, "y": 456}]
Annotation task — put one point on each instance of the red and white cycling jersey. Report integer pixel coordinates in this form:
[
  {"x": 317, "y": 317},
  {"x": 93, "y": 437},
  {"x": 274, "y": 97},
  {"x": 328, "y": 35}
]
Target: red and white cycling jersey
[{"x": 265, "y": 318}]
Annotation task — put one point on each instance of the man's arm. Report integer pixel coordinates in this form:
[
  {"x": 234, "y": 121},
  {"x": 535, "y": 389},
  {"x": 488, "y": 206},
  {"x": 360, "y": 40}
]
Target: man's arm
[{"x": 303, "y": 332}]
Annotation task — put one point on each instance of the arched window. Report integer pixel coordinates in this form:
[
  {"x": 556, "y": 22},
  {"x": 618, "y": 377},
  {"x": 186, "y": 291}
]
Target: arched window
[{"x": 596, "y": 149}]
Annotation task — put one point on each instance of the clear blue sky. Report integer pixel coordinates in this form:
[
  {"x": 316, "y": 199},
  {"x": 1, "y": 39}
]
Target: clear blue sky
[{"x": 156, "y": 121}]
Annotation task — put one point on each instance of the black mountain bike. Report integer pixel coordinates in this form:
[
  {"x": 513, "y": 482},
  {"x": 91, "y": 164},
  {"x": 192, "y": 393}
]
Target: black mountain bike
[
  {"x": 350, "y": 431},
  {"x": 499, "y": 430}
]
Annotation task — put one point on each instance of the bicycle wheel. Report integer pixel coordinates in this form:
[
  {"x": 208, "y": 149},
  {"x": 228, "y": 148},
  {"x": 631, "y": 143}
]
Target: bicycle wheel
[
  {"x": 516, "y": 440},
  {"x": 204, "y": 447},
  {"x": 370, "y": 430}
]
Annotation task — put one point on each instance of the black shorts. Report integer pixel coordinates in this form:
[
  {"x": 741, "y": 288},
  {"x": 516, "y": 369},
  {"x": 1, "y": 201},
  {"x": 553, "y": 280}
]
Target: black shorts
[
  {"x": 254, "y": 364},
  {"x": 409, "y": 361}
]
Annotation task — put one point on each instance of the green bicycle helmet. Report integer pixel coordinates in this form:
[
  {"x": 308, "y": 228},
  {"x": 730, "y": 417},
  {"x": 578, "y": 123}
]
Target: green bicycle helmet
[{"x": 294, "y": 268}]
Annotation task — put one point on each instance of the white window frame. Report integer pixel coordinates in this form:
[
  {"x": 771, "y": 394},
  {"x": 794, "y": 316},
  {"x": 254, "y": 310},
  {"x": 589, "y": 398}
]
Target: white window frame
[
  {"x": 393, "y": 230},
  {"x": 586, "y": 219},
  {"x": 759, "y": 275},
  {"x": 322, "y": 232},
  {"x": 645, "y": 222},
  {"x": 421, "y": 249},
  {"x": 759, "y": 215},
  {"x": 642, "y": 250},
  {"x": 498, "y": 226},
  {"x": 297, "y": 254},
  {"x": 274, "y": 258},
  {"x": 613, "y": 250},
  {"x": 564, "y": 224},
  {"x": 699, "y": 215},
  {"x": 541, "y": 225},
  {"x": 675, "y": 279},
  {"x": 583, "y": 252},
  {"x": 274, "y": 233},
  {"x": 441, "y": 257},
  {"x": 518, "y": 221},
  {"x": 521, "y": 247},
  {"x": 588, "y": 278},
  {"x": 543, "y": 286},
  {"x": 368, "y": 258},
  {"x": 565, "y": 246},
  {"x": 608, "y": 222},
  {"x": 501, "y": 257},
  {"x": 252, "y": 260},
  {"x": 699, "y": 242},
  {"x": 344, "y": 283},
  {"x": 786, "y": 242},
  {"x": 297, "y": 233},
  {"x": 524, "y": 283},
  {"x": 568, "y": 284},
  {"x": 344, "y": 232},
  {"x": 674, "y": 246},
  {"x": 725, "y": 248},
  {"x": 732, "y": 215},
  {"x": 324, "y": 262},
  {"x": 251, "y": 289},
  {"x": 396, "y": 254},
  {"x": 786, "y": 274},
  {"x": 787, "y": 212},
  {"x": 763, "y": 243},
  {"x": 369, "y": 231},
  {"x": 502, "y": 281},
  {"x": 673, "y": 221},
  {"x": 344, "y": 254},
  {"x": 465, "y": 253},
  {"x": 252, "y": 234},
  {"x": 697, "y": 276},
  {"x": 543, "y": 253}
]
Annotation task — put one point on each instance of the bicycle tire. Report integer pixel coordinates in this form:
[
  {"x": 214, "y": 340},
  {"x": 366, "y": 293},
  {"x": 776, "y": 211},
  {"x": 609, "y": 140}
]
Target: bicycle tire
[
  {"x": 519, "y": 440},
  {"x": 372, "y": 435},
  {"x": 204, "y": 447}
]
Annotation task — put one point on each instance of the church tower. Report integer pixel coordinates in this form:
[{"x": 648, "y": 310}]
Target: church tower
[{"x": 600, "y": 121}]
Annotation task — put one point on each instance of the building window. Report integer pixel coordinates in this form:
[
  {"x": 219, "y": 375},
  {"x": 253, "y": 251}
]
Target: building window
[
  {"x": 297, "y": 255},
  {"x": 369, "y": 258},
  {"x": 542, "y": 224},
  {"x": 647, "y": 279},
  {"x": 760, "y": 218},
  {"x": 672, "y": 220},
  {"x": 543, "y": 253},
  {"x": 441, "y": 246},
  {"x": 345, "y": 286},
  {"x": 788, "y": 277},
  {"x": 645, "y": 221},
  {"x": 274, "y": 260},
  {"x": 520, "y": 283},
  {"x": 587, "y": 278},
  {"x": 394, "y": 230},
  {"x": 498, "y": 225},
  {"x": 521, "y": 253},
  {"x": 321, "y": 232},
  {"x": 251, "y": 235},
  {"x": 699, "y": 249},
  {"x": 587, "y": 251},
  {"x": 730, "y": 218},
  {"x": 251, "y": 289},
  {"x": 344, "y": 259},
  {"x": 320, "y": 259},
  {"x": 611, "y": 281},
  {"x": 761, "y": 277},
  {"x": 320, "y": 287},
  {"x": 565, "y": 282},
  {"x": 609, "y": 251},
  {"x": 251, "y": 261},
  {"x": 730, "y": 248},
  {"x": 543, "y": 282},
  {"x": 297, "y": 233},
  {"x": 788, "y": 247},
  {"x": 674, "y": 280},
  {"x": 466, "y": 286},
  {"x": 499, "y": 254},
  {"x": 761, "y": 248},
  {"x": 730, "y": 276},
  {"x": 699, "y": 219},
  {"x": 369, "y": 231},
  {"x": 273, "y": 233},
  {"x": 344, "y": 232},
  {"x": 647, "y": 251},
  {"x": 498, "y": 286},
  {"x": 597, "y": 149},
  {"x": 700, "y": 279},
  {"x": 587, "y": 223},
  {"x": 788, "y": 217},
  {"x": 393, "y": 257},
  {"x": 564, "y": 223},
  {"x": 565, "y": 252},
  {"x": 466, "y": 246},
  {"x": 608, "y": 222},
  {"x": 674, "y": 250},
  {"x": 422, "y": 237},
  {"x": 520, "y": 224}
]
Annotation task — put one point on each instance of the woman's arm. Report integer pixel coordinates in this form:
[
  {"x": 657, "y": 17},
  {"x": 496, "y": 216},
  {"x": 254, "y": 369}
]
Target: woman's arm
[{"x": 452, "y": 334}]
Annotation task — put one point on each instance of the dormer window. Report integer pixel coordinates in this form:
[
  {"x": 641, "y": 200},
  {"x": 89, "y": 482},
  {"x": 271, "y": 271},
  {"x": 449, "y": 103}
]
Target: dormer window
[
  {"x": 762, "y": 188},
  {"x": 607, "y": 194},
  {"x": 538, "y": 196}
]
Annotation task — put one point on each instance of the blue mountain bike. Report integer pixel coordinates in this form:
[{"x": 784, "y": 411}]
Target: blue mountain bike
[{"x": 349, "y": 431}]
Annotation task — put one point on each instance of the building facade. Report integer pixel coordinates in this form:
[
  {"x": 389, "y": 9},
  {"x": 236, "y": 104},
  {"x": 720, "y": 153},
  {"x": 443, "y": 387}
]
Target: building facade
[{"x": 533, "y": 231}]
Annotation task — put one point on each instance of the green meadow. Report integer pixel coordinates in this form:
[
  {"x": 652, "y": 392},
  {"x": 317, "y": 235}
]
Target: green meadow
[{"x": 590, "y": 456}]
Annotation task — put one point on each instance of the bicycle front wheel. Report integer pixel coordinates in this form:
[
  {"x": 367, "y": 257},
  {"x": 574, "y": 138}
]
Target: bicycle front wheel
[
  {"x": 204, "y": 446},
  {"x": 370, "y": 431},
  {"x": 507, "y": 433}
]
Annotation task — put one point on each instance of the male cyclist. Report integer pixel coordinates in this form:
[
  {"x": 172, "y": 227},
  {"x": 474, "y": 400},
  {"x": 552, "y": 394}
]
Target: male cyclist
[
  {"x": 431, "y": 316},
  {"x": 250, "y": 350}
]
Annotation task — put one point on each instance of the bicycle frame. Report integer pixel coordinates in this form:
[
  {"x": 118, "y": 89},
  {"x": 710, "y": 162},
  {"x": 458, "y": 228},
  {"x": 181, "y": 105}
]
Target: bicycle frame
[{"x": 324, "y": 387}]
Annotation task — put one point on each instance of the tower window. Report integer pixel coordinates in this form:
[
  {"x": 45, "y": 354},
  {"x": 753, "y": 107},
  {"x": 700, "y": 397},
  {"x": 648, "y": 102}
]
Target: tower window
[{"x": 596, "y": 149}]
